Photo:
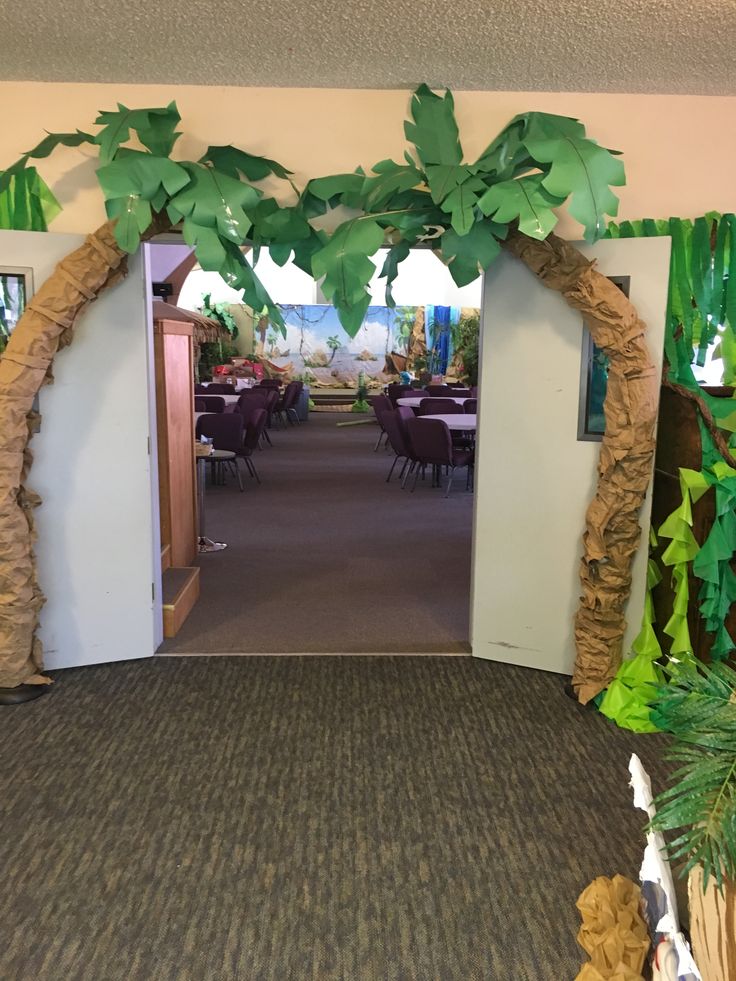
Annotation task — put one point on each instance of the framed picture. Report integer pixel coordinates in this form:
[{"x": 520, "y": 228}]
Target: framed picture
[
  {"x": 594, "y": 380},
  {"x": 16, "y": 289}
]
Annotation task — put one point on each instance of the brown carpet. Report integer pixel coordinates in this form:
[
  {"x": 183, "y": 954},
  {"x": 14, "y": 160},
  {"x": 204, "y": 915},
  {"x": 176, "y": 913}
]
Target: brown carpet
[
  {"x": 326, "y": 557},
  {"x": 314, "y": 819}
]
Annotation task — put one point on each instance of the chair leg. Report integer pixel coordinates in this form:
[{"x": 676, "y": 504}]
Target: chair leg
[
  {"x": 408, "y": 473},
  {"x": 416, "y": 477},
  {"x": 254, "y": 471},
  {"x": 266, "y": 437},
  {"x": 236, "y": 465},
  {"x": 390, "y": 473},
  {"x": 449, "y": 481},
  {"x": 378, "y": 441},
  {"x": 296, "y": 414}
]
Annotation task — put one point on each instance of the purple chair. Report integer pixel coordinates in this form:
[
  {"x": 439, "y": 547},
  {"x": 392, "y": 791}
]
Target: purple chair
[
  {"x": 439, "y": 407},
  {"x": 474, "y": 391},
  {"x": 226, "y": 432},
  {"x": 269, "y": 383},
  {"x": 211, "y": 403},
  {"x": 220, "y": 388},
  {"x": 254, "y": 431},
  {"x": 439, "y": 390},
  {"x": 381, "y": 404},
  {"x": 397, "y": 440},
  {"x": 286, "y": 407},
  {"x": 200, "y": 389},
  {"x": 470, "y": 406},
  {"x": 431, "y": 444}
]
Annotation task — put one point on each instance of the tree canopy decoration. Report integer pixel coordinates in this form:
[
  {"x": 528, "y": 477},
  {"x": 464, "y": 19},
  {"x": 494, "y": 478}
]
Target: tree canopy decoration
[{"x": 466, "y": 211}]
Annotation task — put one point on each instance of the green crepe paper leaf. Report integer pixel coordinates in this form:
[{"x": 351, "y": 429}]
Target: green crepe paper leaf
[
  {"x": 434, "y": 131},
  {"x": 730, "y": 303},
  {"x": 280, "y": 252},
  {"x": 337, "y": 189},
  {"x": 461, "y": 202},
  {"x": 27, "y": 203},
  {"x": 238, "y": 274},
  {"x": 304, "y": 249},
  {"x": 207, "y": 244},
  {"x": 390, "y": 270},
  {"x": 155, "y": 128},
  {"x": 215, "y": 200},
  {"x": 281, "y": 225},
  {"x": 347, "y": 270},
  {"x": 133, "y": 218},
  {"x": 390, "y": 178},
  {"x": 506, "y": 156},
  {"x": 234, "y": 162},
  {"x": 466, "y": 256},
  {"x": 144, "y": 175},
  {"x": 43, "y": 149},
  {"x": 525, "y": 200},
  {"x": 444, "y": 178},
  {"x": 580, "y": 168}
]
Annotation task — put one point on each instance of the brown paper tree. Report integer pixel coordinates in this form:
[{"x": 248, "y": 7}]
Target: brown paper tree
[{"x": 467, "y": 212}]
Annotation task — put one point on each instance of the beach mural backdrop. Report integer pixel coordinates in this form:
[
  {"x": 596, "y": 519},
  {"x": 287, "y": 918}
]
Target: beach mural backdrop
[{"x": 317, "y": 349}]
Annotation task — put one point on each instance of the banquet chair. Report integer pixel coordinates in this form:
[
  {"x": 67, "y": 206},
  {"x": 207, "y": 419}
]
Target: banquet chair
[
  {"x": 431, "y": 444},
  {"x": 397, "y": 440},
  {"x": 220, "y": 388},
  {"x": 439, "y": 390},
  {"x": 439, "y": 407},
  {"x": 253, "y": 432},
  {"x": 226, "y": 432},
  {"x": 381, "y": 404},
  {"x": 470, "y": 406},
  {"x": 210, "y": 403},
  {"x": 286, "y": 407}
]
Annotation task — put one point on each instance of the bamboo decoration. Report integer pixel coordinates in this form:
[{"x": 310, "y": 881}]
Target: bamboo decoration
[{"x": 612, "y": 530}]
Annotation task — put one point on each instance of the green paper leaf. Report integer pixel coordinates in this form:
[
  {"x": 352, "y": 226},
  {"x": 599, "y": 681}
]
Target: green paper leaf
[
  {"x": 234, "y": 162},
  {"x": 43, "y": 149},
  {"x": 27, "y": 203},
  {"x": 434, "y": 130},
  {"x": 525, "y": 200},
  {"x": 215, "y": 200},
  {"x": 144, "y": 175},
  {"x": 390, "y": 178},
  {"x": 336, "y": 189},
  {"x": 468, "y": 255},
  {"x": 133, "y": 218},
  {"x": 347, "y": 270},
  {"x": 390, "y": 270},
  {"x": 155, "y": 128},
  {"x": 506, "y": 156},
  {"x": 461, "y": 203},
  {"x": 580, "y": 169}
]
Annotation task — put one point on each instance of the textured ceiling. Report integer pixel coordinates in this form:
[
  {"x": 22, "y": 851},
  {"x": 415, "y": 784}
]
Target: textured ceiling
[{"x": 675, "y": 46}]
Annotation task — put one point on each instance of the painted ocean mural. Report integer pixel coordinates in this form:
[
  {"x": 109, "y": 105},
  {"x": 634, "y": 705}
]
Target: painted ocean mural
[{"x": 317, "y": 348}]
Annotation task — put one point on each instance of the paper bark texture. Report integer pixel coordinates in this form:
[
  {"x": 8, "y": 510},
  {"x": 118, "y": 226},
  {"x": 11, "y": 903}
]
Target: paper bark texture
[
  {"x": 612, "y": 933},
  {"x": 712, "y": 927},
  {"x": 46, "y": 325},
  {"x": 612, "y": 531}
]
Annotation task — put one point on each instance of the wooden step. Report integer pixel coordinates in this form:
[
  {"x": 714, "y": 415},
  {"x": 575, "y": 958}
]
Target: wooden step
[{"x": 180, "y": 593}]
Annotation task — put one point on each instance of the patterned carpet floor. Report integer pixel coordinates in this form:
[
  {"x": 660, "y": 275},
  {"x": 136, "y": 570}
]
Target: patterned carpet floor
[{"x": 307, "y": 818}]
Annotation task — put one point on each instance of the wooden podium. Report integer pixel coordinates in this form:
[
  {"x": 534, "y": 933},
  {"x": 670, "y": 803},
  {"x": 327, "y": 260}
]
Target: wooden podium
[{"x": 177, "y": 479}]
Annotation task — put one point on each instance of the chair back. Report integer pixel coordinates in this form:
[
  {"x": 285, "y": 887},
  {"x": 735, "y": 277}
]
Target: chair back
[
  {"x": 200, "y": 405},
  {"x": 390, "y": 421},
  {"x": 439, "y": 407},
  {"x": 254, "y": 430},
  {"x": 251, "y": 404},
  {"x": 220, "y": 388},
  {"x": 430, "y": 440},
  {"x": 470, "y": 406},
  {"x": 460, "y": 393},
  {"x": 439, "y": 390},
  {"x": 200, "y": 389},
  {"x": 291, "y": 394},
  {"x": 381, "y": 404},
  {"x": 474, "y": 391},
  {"x": 225, "y": 430},
  {"x": 211, "y": 403},
  {"x": 269, "y": 383}
]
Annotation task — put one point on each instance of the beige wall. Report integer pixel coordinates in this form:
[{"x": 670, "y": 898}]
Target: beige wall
[{"x": 678, "y": 150}]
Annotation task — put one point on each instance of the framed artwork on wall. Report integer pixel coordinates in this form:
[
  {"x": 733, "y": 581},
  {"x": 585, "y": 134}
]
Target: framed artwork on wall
[
  {"x": 594, "y": 379},
  {"x": 16, "y": 289}
]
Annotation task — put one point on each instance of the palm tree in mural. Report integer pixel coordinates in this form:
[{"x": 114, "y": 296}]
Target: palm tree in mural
[
  {"x": 468, "y": 211},
  {"x": 334, "y": 344}
]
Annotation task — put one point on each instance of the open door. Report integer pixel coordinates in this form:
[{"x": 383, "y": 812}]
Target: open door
[{"x": 95, "y": 474}]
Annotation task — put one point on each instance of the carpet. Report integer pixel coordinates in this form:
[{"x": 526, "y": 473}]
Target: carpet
[
  {"x": 325, "y": 557},
  {"x": 339, "y": 819}
]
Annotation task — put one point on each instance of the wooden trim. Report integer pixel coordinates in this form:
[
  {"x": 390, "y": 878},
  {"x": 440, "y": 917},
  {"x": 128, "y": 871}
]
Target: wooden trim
[
  {"x": 173, "y": 327},
  {"x": 175, "y": 613},
  {"x": 166, "y": 556}
]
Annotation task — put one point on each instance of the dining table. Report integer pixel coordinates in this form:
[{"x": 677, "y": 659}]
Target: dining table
[{"x": 459, "y": 422}]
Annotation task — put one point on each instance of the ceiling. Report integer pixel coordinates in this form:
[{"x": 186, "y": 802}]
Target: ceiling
[{"x": 662, "y": 46}]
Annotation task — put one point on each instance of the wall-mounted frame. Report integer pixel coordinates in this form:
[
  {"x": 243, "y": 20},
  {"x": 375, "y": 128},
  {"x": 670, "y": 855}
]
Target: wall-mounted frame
[
  {"x": 16, "y": 289},
  {"x": 594, "y": 379}
]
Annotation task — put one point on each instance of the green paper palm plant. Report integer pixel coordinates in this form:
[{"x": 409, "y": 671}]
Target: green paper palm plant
[{"x": 698, "y": 708}]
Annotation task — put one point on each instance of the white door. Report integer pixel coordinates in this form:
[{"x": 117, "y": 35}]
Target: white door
[
  {"x": 93, "y": 470},
  {"x": 534, "y": 477}
]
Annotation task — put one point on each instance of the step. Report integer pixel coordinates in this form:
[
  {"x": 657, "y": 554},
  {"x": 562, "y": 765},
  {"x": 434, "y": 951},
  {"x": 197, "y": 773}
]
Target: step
[{"x": 180, "y": 593}]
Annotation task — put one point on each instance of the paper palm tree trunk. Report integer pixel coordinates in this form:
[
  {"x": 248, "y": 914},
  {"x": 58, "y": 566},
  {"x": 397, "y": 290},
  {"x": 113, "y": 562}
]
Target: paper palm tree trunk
[
  {"x": 46, "y": 325},
  {"x": 612, "y": 531}
]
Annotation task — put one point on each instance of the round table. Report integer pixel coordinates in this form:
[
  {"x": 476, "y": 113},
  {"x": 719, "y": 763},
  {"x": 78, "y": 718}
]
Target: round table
[
  {"x": 414, "y": 402},
  {"x": 458, "y": 421},
  {"x": 206, "y": 544}
]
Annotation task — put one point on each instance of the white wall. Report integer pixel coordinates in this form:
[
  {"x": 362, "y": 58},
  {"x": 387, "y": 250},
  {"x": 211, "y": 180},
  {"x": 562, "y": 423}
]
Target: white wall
[
  {"x": 534, "y": 478},
  {"x": 92, "y": 469}
]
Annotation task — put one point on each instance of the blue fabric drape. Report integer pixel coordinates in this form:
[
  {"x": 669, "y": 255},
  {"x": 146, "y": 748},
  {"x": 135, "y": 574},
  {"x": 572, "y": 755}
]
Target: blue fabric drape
[{"x": 438, "y": 321}]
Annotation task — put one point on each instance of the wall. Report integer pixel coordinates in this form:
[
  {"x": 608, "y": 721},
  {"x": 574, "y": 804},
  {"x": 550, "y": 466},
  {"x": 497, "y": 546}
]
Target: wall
[
  {"x": 534, "y": 478},
  {"x": 678, "y": 150},
  {"x": 92, "y": 470}
]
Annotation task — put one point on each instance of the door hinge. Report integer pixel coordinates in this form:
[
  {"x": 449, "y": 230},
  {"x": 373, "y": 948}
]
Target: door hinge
[
  {"x": 153, "y": 591},
  {"x": 148, "y": 438}
]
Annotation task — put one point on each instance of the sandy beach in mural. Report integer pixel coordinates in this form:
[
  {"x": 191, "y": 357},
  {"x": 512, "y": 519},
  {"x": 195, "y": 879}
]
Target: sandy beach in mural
[{"x": 317, "y": 349}]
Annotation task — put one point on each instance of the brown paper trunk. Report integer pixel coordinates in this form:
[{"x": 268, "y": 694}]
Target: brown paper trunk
[
  {"x": 25, "y": 365},
  {"x": 612, "y": 531},
  {"x": 713, "y": 927}
]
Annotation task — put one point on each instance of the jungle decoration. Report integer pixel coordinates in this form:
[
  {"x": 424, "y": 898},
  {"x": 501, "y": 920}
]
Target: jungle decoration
[
  {"x": 701, "y": 315},
  {"x": 467, "y": 211}
]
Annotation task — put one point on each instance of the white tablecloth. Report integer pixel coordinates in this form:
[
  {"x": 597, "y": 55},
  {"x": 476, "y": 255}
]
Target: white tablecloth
[
  {"x": 414, "y": 402},
  {"x": 460, "y": 421}
]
